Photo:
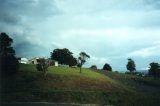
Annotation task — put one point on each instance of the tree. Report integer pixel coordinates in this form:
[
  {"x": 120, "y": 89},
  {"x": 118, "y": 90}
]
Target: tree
[
  {"x": 72, "y": 61},
  {"x": 131, "y": 65},
  {"x": 64, "y": 56},
  {"x": 93, "y": 67},
  {"x": 82, "y": 59},
  {"x": 42, "y": 66},
  {"x": 8, "y": 61},
  {"x": 154, "y": 70},
  {"x": 107, "y": 67}
]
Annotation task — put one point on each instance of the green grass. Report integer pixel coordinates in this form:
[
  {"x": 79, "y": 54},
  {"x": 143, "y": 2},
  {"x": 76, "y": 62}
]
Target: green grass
[
  {"x": 66, "y": 71},
  {"x": 67, "y": 85},
  {"x": 149, "y": 81},
  {"x": 86, "y": 73},
  {"x": 72, "y": 79}
]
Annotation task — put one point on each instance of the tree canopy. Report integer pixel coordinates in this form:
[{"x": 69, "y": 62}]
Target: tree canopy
[
  {"x": 131, "y": 65},
  {"x": 8, "y": 61},
  {"x": 82, "y": 59},
  {"x": 64, "y": 56},
  {"x": 93, "y": 67},
  {"x": 107, "y": 67},
  {"x": 154, "y": 69}
]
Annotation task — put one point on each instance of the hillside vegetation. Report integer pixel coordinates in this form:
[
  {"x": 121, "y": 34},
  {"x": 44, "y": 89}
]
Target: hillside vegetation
[{"x": 67, "y": 85}]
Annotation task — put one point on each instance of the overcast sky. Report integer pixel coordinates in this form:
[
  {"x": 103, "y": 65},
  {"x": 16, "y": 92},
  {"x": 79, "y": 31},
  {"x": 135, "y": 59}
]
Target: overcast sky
[{"x": 109, "y": 31}]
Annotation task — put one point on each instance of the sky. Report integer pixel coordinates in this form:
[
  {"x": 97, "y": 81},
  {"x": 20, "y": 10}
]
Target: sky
[{"x": 110, "y": 31}]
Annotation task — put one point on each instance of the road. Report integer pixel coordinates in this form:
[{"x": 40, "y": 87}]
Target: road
[{"x": 45, "y": 104}]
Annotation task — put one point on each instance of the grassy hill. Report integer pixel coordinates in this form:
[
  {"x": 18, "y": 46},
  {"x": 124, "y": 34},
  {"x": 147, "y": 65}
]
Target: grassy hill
[{"x": 67, "y": 85}]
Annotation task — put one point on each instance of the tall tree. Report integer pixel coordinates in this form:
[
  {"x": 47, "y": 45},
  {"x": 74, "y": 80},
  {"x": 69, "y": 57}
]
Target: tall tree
[
  {"x": 131, "y": 65},
  {"x": 82, "y": 59},
  {"x": 8, "y": 61},
  {"x": 63, "y": 56},
  {"x": 154, "y": 69},
  {"x": 107, "y": 67}
]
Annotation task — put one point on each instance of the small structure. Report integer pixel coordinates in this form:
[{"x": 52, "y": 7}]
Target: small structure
[
  {"x": 34, "y": 60},
  {"x": 52, "y": 62},
  {"x": 49, "y": 61},
  {"x": 23, "y": 60},
  {"x": 56, "y": 63}
]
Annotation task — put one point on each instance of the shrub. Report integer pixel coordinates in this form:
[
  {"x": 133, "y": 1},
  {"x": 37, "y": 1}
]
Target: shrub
[
  {"x": 107, "y": 67},
  {"x": 93, "y": 67}
]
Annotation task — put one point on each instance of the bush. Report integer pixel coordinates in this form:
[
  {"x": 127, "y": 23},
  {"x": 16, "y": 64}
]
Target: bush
[
  {"x": 42, "y": 66},
  {"x": 93, "y": 67},
  {"x": 107, "y": 67},
  {"x": 39, "y": 67},
  {"x": 154, "y": 70}
]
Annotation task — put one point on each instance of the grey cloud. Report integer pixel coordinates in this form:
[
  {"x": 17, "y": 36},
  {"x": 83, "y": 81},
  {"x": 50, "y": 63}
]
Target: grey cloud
[
  {"x": 29, "y": 50},
  {"x": 30, "y": 47},
  {"x": 8, "y": 19},
  {"x": 36, "y": 32},
  {"x": 153, "y": 3},
  {"x": 14, "y": 11},
  {"x": 18, "y": 19}
]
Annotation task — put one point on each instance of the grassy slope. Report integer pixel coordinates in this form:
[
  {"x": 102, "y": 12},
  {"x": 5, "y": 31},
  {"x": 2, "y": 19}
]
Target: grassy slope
[
  {"x": 68, "y": 85},
  {"x": 144, "y": 84},
  {"x": 147, "y": 89}
]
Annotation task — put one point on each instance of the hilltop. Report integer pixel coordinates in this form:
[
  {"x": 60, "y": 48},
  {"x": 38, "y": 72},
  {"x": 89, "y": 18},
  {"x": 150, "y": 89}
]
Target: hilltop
[{"x": 67, "y": 85}]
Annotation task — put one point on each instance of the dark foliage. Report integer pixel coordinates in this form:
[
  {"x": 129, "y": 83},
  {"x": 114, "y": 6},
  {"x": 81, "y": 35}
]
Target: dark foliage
[
  {"x": 93, "y": 67},
  {"x": 42, "y": 66},
  {"x": 64, "y": 56},
  {"x": 8, "y": 61},
  {"x": 82, "y": 59},
  {"x": 154, "y": 69},
  {"x": 107, "y": 67},
  {"x": 72, "y": 61},
  {"x": 79, "y": 65},
  {"x": 39, "y": 67},
  {"x": 131, "y": 65}
]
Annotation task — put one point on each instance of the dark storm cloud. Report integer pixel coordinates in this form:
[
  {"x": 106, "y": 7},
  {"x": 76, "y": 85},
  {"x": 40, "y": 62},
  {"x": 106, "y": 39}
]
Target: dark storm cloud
[
  {"x": 153, "y": 3},
  {"x": 18, "y": 19},
  {"x": 14, "y": 11},
  {"x": 29, "y": 50}
]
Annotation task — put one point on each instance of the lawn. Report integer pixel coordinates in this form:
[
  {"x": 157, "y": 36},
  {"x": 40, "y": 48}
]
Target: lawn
[{"x": 67, "y": 85}]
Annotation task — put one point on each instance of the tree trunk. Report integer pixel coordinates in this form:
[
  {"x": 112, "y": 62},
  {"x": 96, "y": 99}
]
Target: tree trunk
[{"x": 80, "y": 69}]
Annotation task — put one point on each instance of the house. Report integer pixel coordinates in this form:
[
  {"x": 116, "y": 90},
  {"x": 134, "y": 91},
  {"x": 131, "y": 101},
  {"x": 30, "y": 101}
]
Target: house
[
  {"x": 23, "y": 60},
  {"x": 52, "y": 62},
  {"x": 34, "y": 60},
  {"x": 49, "y": 61}
]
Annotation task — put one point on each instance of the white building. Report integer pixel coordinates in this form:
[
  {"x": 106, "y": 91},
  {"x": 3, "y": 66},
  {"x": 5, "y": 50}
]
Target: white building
[
  {"x": 49, "y": 61},
  {"x": 34, "y": 60},
  {"x": 52, "y": 62},
  {"x": 23, "y": 60},
  {"x": 56, "y": 63}
]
